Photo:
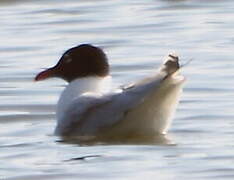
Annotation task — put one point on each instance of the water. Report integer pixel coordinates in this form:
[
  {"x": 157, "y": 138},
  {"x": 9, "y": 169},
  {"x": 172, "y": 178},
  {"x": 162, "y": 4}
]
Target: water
[{"x": 135, "y": 35}]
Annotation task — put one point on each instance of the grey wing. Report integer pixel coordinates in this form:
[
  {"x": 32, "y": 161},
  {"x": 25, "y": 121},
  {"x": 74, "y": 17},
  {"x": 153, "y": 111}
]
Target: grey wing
[
  {"x": 78, "y": 114},
  {"x": 87, "y": 114}
]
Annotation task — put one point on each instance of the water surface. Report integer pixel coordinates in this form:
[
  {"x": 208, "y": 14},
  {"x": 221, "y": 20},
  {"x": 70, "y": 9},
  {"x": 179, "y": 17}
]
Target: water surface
[{"x": 136, "y": 36}]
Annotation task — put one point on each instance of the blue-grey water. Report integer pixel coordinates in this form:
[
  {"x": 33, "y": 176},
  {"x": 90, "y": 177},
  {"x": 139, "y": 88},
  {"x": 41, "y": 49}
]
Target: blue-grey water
[{"x": 136, "y": 36}]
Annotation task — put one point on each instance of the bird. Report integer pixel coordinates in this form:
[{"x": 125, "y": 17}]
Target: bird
[{"x": 89, "y": 107}]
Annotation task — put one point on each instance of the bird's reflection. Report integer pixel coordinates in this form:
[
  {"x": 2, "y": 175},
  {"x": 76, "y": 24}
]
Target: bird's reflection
[{"x": 131, "y": 140}]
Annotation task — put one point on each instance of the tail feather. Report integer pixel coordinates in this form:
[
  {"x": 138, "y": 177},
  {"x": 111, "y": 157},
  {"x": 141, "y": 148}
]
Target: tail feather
[{"x": 171, "y": 64}]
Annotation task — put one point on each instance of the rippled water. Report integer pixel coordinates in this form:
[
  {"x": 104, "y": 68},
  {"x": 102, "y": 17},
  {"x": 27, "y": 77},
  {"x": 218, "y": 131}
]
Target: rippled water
[{"x": 135, "y": 35}]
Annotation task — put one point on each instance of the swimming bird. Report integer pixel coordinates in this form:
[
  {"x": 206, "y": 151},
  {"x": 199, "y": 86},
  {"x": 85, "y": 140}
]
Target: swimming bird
[{"x": 89, "y": 107}]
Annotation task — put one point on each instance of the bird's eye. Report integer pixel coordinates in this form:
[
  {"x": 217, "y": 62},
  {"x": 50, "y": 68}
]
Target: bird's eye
[{"x": 67, "y": 59}]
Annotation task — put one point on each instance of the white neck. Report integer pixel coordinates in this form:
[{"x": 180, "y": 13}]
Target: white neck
[{"x": 78, "y": 87}]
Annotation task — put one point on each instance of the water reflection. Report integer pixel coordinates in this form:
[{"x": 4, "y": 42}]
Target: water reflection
[
  {"x": 82, "y": 158},
  {"x": 11, "y": 2},
  {"x": 133, "y": 140}
]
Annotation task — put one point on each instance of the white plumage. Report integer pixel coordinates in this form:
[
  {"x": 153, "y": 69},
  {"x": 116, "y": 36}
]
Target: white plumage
[{"x": 87, "y": 107}]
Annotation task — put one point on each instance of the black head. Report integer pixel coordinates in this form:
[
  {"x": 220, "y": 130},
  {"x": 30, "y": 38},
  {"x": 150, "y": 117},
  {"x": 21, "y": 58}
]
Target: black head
[{"x": 80, "y": 61}]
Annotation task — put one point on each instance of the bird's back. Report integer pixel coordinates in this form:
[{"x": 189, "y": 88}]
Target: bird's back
[{"x": 153, "y": 115}]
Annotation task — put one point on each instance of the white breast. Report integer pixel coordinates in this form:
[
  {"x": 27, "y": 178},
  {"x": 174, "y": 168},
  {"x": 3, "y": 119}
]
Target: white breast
[{"x": 79, "y": 87}]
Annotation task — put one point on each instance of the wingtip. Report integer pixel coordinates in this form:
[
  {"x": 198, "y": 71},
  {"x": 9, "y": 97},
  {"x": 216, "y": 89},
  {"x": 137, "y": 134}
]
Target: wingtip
[
  {"x": 174, "y": 56},
  {"x": 171, "y": 63}
]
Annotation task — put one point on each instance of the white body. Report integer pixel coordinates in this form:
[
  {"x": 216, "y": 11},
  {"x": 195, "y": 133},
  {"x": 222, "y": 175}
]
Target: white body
[
  {"x": 87, "y": 108},
  {"x": 79, "y": 87}
]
